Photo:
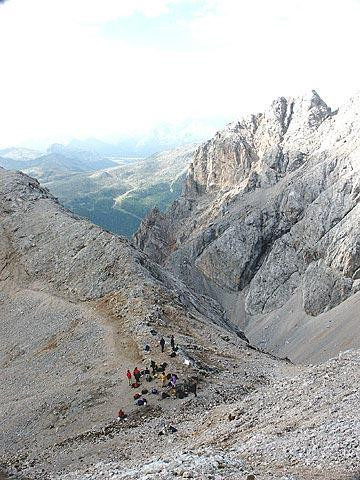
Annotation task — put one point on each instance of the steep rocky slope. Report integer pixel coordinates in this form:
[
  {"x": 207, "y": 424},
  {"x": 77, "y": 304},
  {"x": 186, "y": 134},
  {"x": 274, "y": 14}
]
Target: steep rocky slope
[
  {"x": 269, "y": 226},
  {"x": 77, "y": 305}
]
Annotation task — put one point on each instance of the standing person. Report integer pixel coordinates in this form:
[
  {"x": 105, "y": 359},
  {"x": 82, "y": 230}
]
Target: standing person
[
  {"x": 173, "y": 380},
  {"x": 194, "y": 387},
  {"x": 162, "y": 344},
  {"x": 137, "y": 374},
  {"x": 163, "y": 379},
  {"x": 153, "y": 367},
  {"x": 172, "y": 343},
  {"x": 128, "y": 374}
]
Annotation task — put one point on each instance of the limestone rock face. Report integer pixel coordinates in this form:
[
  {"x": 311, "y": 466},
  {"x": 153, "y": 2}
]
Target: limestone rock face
[
  {"x": 264, "y": 145},
  {"x": 160, "y": 243},
  {"x": 271, "y": 209}
]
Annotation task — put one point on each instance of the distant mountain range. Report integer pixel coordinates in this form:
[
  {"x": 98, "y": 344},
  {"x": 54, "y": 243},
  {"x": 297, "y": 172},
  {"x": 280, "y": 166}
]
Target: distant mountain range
[
  {"x": 118, "y": 198},
  {"x": 113, "y": 194},
  {"x": 57, "y": 161},
  {"x": 133, "y": 146},
  {"x": 163, "y": 137},
  {"x": 18, "y": 153}
]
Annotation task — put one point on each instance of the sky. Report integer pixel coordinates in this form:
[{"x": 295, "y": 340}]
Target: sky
[{"x": 108, "y": 68}]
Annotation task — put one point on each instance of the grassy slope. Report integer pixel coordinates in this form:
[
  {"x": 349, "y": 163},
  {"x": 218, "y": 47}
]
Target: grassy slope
[{"x": 118, "y": 198}]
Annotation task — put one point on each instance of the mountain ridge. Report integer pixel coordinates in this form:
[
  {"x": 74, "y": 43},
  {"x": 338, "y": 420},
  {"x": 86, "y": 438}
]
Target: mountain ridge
[{"x": 268, "y": 212}]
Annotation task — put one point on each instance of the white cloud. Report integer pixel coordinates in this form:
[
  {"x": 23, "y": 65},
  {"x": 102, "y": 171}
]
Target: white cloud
[
  {"x": 82, "y": 11},
  {"x": 62, "y": 77}
]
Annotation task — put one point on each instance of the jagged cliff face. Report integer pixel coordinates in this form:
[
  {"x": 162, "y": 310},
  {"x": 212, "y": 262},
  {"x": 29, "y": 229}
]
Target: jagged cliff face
[
  {"x": 270, "y": 216},
  {"x": 260, "y": 149}
]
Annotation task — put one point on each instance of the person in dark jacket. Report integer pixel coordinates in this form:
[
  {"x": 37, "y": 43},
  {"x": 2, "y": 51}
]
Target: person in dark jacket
[
  {"x": 153, "y": 367},
  {"x": 172, "y": 343},
  {"x": 193, "y": 388},
  {"x": 162, "y": 344}
]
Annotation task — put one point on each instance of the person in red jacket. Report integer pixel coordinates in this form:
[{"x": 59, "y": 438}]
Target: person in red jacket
[
  {"x": 137, "y": 374},
  {"x": 121, "y": 415},
  {"x": 128, "y": 374}
]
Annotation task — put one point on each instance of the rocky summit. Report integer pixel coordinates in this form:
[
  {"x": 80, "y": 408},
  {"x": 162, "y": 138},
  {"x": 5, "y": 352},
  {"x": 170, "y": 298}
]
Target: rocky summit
[
  {"x": 254, "y": 271},
  {"x": 268, "y": 225}
]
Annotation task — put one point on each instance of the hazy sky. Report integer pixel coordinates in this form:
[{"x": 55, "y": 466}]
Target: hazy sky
[{"x": 80, "y": 68}]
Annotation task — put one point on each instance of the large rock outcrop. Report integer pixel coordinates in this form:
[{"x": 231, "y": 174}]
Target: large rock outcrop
[
  {"x": 260, "y": 147},
  {"x": 271, "y": 210}
]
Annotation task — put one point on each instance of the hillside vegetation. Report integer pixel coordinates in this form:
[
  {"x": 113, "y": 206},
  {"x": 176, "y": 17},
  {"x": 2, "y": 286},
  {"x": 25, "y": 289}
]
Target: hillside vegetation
[
  {"x": 113, "y": 196},
  {"x": 118, "y": 198}
]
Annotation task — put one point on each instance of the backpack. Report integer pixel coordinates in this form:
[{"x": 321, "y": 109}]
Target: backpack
[{"x": 180, "y": 394}]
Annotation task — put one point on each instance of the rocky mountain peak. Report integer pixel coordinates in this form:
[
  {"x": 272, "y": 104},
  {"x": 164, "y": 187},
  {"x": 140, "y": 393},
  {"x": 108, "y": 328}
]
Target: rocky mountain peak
[
  {"x": 56, "y": 148},
  {"x": 258, "y": 149},
  {"x": 269, "y": 219}
]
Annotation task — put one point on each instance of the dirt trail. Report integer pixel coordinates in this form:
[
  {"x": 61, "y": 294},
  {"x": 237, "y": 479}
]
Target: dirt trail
[{"x": 121, "y": 347}]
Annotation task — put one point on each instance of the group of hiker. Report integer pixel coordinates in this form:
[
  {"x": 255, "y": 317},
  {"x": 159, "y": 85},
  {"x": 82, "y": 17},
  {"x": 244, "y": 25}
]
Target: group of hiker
[
  {"x": 172, "y": 344},
  {"x": 162, "y": 344},
  {"x": 168, "y": 381}
]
